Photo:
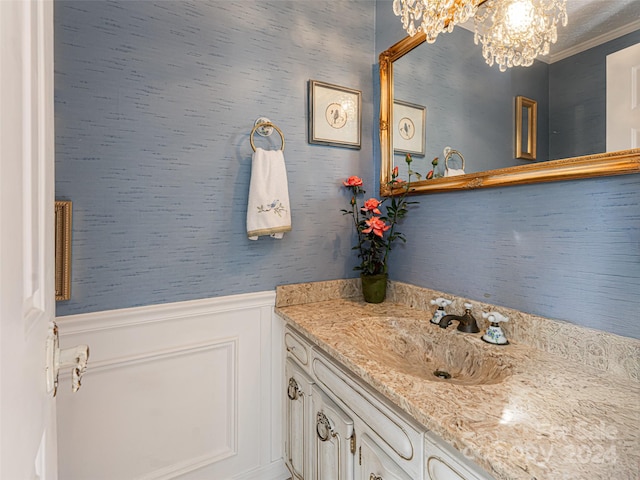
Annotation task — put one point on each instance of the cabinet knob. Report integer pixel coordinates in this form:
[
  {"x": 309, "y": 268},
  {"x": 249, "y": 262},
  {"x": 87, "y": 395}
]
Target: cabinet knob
[
  {"x": 293, "y": 391},
  {"x": 323, "y": 427},
  {"x": 373, "y": 476}
]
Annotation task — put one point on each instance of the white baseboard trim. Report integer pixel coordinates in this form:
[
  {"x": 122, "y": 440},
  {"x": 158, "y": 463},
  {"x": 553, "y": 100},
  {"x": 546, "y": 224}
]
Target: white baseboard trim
[{"x": 274, "y": 471}]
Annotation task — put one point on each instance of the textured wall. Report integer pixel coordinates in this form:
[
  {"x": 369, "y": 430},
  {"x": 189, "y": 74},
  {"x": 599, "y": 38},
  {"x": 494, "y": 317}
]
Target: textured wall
[
  {"x": 154, "y": 105},
  {"x": 567, "y": 250},
  {"x": 578, "y": 101}
]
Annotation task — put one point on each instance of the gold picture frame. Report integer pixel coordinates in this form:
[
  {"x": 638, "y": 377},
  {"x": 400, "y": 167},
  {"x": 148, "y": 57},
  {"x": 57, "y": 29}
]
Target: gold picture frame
[
  {"x": 335, "y": 115},
  {"x": 63, "y": 249},
  {"x": 526, "y": 130}
]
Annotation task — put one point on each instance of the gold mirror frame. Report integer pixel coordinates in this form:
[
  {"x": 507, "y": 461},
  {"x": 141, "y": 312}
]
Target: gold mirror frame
[{"x": 599, "y": 165}]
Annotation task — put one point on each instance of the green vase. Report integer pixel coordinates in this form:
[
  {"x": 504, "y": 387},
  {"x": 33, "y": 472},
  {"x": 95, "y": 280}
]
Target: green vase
[{"x": 374, "y": 287}]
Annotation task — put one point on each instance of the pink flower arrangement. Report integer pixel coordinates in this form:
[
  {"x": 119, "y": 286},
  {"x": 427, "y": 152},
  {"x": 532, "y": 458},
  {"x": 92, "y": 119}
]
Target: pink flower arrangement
[{"x": 376, "y": 232}]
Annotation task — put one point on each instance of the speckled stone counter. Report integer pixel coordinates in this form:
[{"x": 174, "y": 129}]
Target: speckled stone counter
[{"x": 565, "y": 403}]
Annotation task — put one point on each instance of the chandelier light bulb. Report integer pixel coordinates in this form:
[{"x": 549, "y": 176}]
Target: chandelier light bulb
[
  {"x": 514, "y": 32},
  {"x": 519, "y": 17}
]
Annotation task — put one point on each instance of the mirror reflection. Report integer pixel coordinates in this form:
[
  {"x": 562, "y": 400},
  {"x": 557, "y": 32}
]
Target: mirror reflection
[{"x": 470, "y": 107}]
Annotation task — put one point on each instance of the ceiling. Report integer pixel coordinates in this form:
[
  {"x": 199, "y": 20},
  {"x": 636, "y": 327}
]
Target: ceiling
[{"x": 591, "y": 23}]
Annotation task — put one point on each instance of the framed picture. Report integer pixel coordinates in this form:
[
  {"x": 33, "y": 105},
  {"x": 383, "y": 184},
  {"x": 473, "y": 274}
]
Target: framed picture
[
  {"x": 334, "y": 115},
  {"x": 409, "y": 122}
]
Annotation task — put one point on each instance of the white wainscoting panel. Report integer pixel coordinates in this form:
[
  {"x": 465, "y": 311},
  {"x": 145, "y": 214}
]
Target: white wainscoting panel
[{"x": 188, "y": 390}]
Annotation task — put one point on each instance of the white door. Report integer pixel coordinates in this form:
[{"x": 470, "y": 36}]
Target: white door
[
  {"x": 27, "y": 297},
  {"x": 623, "y": 99}
]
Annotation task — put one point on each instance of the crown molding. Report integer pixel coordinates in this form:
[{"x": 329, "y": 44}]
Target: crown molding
[{"x": 594, "y": 42}]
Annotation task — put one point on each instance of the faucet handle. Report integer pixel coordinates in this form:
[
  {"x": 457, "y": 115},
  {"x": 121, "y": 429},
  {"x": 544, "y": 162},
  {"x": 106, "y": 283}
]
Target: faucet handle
[
  {"x": 494, "y": 317},
  {"x": 468, "y": 306},
  {"x": 441, "y": 302}
]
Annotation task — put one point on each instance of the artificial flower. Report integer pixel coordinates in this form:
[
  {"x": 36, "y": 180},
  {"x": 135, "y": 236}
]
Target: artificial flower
[
  {"x": 353, "y": 181},
  {"x": 372, "y": 205},
  {"x": 377, "y": 226}
]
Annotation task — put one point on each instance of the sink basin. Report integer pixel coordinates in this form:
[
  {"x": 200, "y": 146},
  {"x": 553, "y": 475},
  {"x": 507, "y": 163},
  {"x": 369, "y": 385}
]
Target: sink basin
[{"x": 428, "y": 352}]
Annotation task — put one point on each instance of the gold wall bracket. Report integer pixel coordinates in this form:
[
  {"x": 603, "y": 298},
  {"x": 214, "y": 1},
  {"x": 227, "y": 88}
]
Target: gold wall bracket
[{"x": 63, "y": 250}]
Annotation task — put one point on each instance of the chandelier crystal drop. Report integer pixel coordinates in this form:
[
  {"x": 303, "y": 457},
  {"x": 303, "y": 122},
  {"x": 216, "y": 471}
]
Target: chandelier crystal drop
[
  {"x": 433, "y": 16},
  {"x": 514, "y": 32}
]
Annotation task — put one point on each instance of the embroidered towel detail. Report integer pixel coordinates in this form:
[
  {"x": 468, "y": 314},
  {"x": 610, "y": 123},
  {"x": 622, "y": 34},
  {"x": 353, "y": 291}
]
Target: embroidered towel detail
[{"x": 268, "y": 211}]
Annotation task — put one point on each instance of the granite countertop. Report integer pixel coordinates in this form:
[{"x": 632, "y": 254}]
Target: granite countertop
[{"x": 543, "y": 416}]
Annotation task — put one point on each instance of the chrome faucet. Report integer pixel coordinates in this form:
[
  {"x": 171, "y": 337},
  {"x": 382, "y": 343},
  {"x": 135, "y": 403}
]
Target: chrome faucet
[{"x": 466, "y": 323}]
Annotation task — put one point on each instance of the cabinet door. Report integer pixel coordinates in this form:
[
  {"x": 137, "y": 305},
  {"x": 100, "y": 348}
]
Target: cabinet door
[
  {"x": 374, "y": 464},
  {"x": 334, "y": 449},
  {"x": 442, "y": 462},
  {"x": 298, "y": 422}
]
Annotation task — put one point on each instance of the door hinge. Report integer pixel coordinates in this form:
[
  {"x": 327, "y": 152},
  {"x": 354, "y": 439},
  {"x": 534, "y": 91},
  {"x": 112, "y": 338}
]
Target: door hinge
[
  {"x": 352, "y": 443},
  {"x": 359, "y": 455}
]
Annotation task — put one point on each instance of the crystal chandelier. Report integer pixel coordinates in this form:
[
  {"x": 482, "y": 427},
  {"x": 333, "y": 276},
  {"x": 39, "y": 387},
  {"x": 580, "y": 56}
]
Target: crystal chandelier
[
  {"x": 515, "y": 32},
  {"x": 433, "y": 16}
]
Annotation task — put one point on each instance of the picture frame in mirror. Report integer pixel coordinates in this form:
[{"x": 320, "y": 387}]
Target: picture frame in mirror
[{"x": 409, "y": 123}]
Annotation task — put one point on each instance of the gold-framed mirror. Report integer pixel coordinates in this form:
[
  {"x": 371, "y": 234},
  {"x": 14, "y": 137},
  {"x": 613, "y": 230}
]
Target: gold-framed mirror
[{"x": 601, "y": 164}]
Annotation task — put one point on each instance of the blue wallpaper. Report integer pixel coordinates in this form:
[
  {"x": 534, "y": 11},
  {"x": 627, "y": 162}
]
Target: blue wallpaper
[{"x": 154, "y": 105}]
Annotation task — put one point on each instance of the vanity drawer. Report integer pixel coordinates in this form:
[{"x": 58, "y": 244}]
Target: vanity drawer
[
  {"x": 296, "y": 347},
  {"x": 442, "y": 462}
]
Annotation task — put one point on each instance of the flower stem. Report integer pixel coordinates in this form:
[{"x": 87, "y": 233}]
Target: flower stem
[{"x": 356, "y": 220}]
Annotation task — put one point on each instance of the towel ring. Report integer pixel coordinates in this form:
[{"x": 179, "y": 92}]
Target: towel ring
[
  {"x": 450, "y": 151},
  {"x": 261, "y": 125}
]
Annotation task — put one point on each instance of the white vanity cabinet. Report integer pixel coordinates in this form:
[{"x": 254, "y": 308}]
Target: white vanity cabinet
[
  {"x": 337, "y": 428},
  {"x": 375, "y": 464}
]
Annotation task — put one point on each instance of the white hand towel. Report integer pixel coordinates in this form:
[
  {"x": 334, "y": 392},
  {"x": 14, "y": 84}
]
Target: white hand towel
[
  {"x": 452, "y": 172},
  {"x": 268, "y": 210}
]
